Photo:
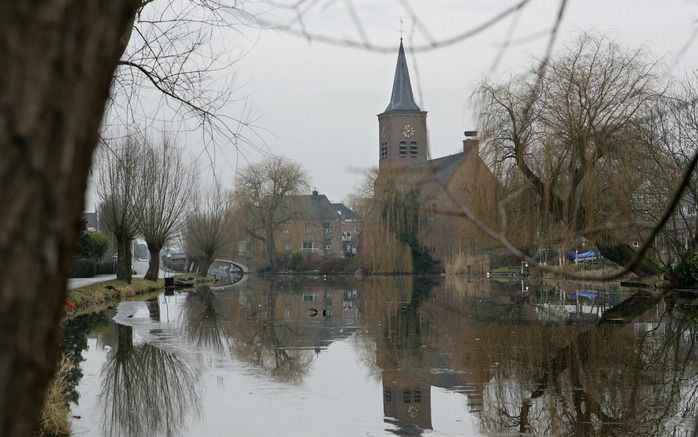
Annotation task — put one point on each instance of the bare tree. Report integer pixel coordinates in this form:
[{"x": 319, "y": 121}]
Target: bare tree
[
  {"x": 569, "y": 134},
  {"x": 178, "y": 55},
  {"x": 260, "y": 195},
  {"x": 206, "y": 231},
  {"x": 670, "y": 139},
  {"x": 117, "y": 187},
  {"x": 360, "y": 199},
  {"x": 167, "y": 186}
]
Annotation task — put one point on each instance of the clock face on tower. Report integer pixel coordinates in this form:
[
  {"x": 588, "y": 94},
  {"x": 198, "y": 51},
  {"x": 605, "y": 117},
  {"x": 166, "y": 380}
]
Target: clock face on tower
[{"x": 407, "y": 131}]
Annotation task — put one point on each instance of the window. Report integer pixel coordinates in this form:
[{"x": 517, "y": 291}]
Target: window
[
  {"x": 417, "y": 395},
  {"x": 384, "y": 150},
  {"x": 308, "y": 228},
  {"x": 636, "y": 244},
  {"x": 328, "y": 244},
  {"x": 308, "y": 298},
  {"x": 413, "y": 149},
  {"x": 307, "y": 245},
  {"x": 357, "y": 228},
  {"x": 285, "y": 231},
  {"x": 403, "y": 149},
  {"x": 287, "y": 245},
  {"x": 406, "y": 396},
  {"x": 328, "y": 227}
]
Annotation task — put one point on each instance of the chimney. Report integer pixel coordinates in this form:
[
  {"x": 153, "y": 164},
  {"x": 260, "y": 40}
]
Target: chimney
[
  {"x": 315, "y": 194},
  {"x": 471, "y": 143}
]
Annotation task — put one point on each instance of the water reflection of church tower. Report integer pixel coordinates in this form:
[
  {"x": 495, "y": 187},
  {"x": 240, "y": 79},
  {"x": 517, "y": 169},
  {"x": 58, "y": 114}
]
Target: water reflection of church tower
[{"x": 407, "y": 398}]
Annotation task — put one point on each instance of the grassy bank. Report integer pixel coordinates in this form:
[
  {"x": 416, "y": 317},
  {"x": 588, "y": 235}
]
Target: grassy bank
[
  {"x": 54, "y": 420},
  {"x": 95, "y": 295}
]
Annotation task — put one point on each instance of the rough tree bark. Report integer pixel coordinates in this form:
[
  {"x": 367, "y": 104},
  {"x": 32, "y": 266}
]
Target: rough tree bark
[
  {"x": 124, "y": 264},
  {"x": 58, "y": 59},
  {"x": 154, "y": 264}
]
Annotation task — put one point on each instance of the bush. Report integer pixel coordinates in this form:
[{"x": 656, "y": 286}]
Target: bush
[
  {"x": 84, "y": 268},
  {"x": 339, "y": 265},
  {"x": 686, "y": 274},
  {"x": 422, "y": 261},
  {"x": 92, "y": 244},
  {"x": 309, "y": 263},
  {"x": 106, "y": 268},
  {"x": 266, "y": 268},
  {"x": 295, "y": 261}
]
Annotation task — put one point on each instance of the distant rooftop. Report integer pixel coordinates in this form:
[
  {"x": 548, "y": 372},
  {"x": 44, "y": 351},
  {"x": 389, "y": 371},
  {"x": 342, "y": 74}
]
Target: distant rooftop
[{"x": 316, "y": 206}]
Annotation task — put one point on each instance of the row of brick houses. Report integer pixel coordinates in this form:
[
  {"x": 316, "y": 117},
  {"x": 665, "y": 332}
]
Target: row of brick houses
[
  {"x": 313, "y": 225},
  {"x": 318, "y": 226}
]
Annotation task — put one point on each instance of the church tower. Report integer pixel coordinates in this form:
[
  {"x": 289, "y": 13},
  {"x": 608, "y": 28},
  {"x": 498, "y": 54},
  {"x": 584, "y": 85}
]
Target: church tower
[{"x": 402, "y": 126}]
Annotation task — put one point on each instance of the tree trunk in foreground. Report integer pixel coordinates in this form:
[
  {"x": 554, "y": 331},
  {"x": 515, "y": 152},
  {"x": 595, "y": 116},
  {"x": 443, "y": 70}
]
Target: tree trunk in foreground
[
  {"x": 58, "y": 60},
  {"x": 154, "y": 264}
]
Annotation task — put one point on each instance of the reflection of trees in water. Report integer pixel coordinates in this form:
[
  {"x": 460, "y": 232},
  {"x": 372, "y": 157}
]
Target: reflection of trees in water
[
  {"x": 365, "y": 348},
  {"x": 620, "y": 376},
  {"x": 201, "y": 321},
  {"x": 266, "y": 342},
  {"x": 405, "y": 327},
  {"x": 265, "y": 349},
  {"x": 146, "y": 390},
  {"x": 605, "y": 380},
  {"x": 75, "y": 332}
]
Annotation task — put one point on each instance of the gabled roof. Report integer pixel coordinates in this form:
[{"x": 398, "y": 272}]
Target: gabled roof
[
  {"x": 444, "y": 167},
  {"x": 345, "y": 212},
  {"x": 314, "y": 207},
  {"x": 401, "y": 98},
  {"x": 430, "y": 176},
  {"x": 440, "y": 171}
]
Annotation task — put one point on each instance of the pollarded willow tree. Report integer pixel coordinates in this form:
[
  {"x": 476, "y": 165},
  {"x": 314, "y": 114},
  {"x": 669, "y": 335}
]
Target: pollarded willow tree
[
  {"x": 260, "y": 197},
  {"x": 118, "y": 188},
  {"x": 206, "y": 232},
  {"x": 566, "y": 138},
  {"x": 167, "y": 187}
]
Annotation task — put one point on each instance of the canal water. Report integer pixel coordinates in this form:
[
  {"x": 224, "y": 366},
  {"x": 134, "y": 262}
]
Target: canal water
[{"x": 384, "y": 357}]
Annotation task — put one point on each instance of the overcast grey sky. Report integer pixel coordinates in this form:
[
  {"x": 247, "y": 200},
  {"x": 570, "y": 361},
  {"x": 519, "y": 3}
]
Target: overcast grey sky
[{"x": 317, "y": 103}]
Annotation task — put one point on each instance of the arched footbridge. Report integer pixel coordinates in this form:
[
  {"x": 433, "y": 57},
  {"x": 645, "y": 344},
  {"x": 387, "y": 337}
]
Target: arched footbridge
[{"x": 227, "y": 271}]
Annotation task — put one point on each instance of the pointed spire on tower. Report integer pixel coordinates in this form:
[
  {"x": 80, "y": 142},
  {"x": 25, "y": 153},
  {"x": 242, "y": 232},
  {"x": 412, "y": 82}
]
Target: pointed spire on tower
[{"x": 402, "y": 99}]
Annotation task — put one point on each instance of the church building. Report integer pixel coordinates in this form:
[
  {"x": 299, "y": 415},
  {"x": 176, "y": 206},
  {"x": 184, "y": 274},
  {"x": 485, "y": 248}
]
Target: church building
[{"x": 444, "y": 184}]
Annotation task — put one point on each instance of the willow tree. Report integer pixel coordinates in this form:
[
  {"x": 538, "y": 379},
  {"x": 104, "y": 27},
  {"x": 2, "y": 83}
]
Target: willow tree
[
  {"x": 566, "y": 132},
  {"x": 167, "y": 186},
  {"x": 260, "y": 195},
  {"x": 117, "y": 187},
  {"x": 393, "y": 229},
  {"x": 206, "y": 232}
]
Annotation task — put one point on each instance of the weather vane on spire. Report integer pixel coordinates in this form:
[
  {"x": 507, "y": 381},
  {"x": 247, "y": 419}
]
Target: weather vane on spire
[{"x": 401, "y": 31}]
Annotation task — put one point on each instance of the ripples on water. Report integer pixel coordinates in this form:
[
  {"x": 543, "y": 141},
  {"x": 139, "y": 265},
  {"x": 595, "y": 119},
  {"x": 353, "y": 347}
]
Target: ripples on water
[{"x": 386, "y": 356}]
